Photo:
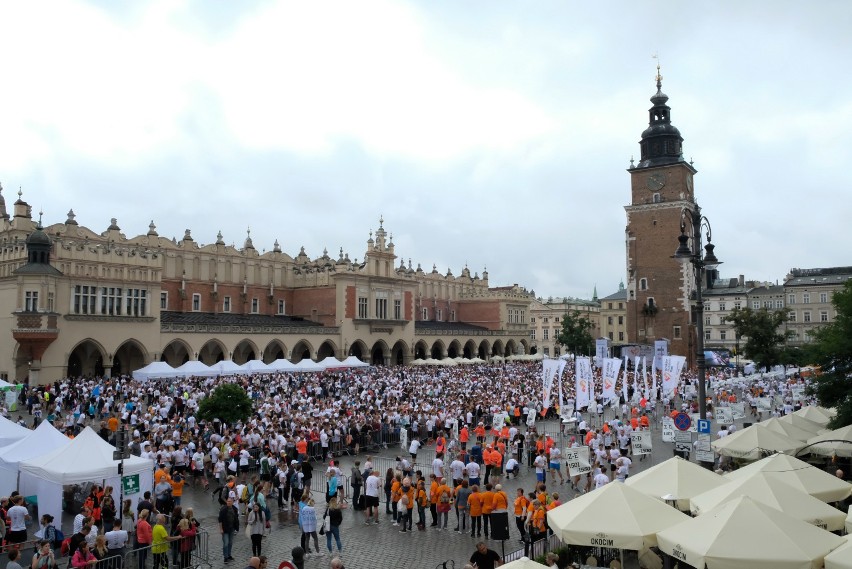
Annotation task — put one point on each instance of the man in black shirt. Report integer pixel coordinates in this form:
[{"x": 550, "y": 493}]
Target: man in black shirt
[
  {"x": 229, "y": 523},
  {"x": 77, "y": 539},
  {"x": 145, "y": 503},
  {"x": 484, "y": 558}
]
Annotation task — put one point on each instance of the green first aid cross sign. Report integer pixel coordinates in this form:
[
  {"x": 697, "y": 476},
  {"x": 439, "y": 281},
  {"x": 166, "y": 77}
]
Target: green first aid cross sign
[{"x": 130, "y": 484}]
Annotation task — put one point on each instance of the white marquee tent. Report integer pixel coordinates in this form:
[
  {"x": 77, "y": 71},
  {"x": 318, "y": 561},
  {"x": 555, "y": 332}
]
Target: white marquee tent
[
  {"x": 194, "y": 368},
  {"x": 11, "y": 431},
  {"x": 330, "y": 362},
  {"x": 840, "y": 558},
  {"x": 752, "y": 443},
  {"x": 837, "y": 442},
  {"x": 154, "y": 370},
  {"x": 675, "y": 480},
  {"x": 353, "y": 361},
  {"x": 799, "y": 474},
  {"x": 255, "y": 366},
  {"x": 307, "y": 365},
  {"x": 40, "y": 441},
  {"x": 282, "y": 365},
  {"x": 226, "y": 367},
  {"x": 88, "y": 458}
]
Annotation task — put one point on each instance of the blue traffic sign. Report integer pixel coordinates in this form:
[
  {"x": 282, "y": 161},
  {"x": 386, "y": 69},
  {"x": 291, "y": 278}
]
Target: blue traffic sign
[
  {"x": 682, "y": 422},
  {"x": 703, "y": 426}
]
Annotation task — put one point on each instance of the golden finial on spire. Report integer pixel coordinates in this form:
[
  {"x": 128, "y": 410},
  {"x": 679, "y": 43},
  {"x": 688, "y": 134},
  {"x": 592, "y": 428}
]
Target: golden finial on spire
[{"x": 659, "y": 77}]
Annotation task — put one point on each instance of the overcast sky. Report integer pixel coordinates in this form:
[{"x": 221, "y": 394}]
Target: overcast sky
[{"x": 486, "y": 133}]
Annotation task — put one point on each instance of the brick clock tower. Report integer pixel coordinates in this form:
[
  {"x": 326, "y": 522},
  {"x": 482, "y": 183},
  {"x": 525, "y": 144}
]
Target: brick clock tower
[{"x": 661, "y": 187}]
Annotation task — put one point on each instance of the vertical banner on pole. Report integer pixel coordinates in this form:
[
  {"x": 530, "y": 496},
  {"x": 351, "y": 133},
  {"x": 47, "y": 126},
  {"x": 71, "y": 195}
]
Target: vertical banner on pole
[{"x": 583, "y": 375}]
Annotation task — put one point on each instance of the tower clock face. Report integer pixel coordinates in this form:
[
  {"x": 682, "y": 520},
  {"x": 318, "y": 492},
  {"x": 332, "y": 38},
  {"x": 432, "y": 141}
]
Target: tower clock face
[{"x": 655, "y": 182}]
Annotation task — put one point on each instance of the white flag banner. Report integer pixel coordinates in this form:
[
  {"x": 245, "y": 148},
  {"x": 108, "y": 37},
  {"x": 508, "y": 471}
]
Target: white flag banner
[
  {"x": 738, "y": 410},
  {"x": 661, "y": 349},
  {"x": 624, "y": 380},
  {"x": 601, "y": 351},
  {"x": 724, "y": 415},
  {"x": 653, "y": 382},
  {"x": 549, "y": 369},
  {"x": 646, "y": 389},
  {"x": 641, "y": 441},
  {"x": 583, "y": 372},
  {"x": 577, "y": 459},
  {"x": 672, "y": 366},
  {"x": 559, "y": 378},
  {"x": 609, "y": 376},
  {"x": 636, "y": 377}
]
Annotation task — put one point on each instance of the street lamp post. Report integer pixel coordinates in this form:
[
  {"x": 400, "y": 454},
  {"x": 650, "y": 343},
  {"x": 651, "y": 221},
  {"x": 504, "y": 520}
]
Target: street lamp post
[{"x": 693, "y": 219}]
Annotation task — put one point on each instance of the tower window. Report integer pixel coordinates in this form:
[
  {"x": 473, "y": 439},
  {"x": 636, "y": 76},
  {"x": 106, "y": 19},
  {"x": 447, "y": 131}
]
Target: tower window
[
  {"x": 643, "y": 284},
  {"x": 657, "y": 198}
]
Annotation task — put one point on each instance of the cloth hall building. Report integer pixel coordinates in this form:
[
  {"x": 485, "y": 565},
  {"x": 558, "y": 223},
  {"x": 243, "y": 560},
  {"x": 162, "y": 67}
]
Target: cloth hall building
[{"x": 76, "y": 302}]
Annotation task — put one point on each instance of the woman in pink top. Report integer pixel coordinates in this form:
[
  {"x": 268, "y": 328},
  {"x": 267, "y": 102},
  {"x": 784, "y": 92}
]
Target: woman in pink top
[
  {"x": 83, "y": 558},
  {"x": 144, "y": 538}
]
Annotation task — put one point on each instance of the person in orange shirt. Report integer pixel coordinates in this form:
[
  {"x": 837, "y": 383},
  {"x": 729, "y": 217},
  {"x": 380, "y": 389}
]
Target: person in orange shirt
[
  {"x": 643, "y": 422},
  {"x": 504, "y": 434},
  {"x": 487, "y": 498},
  {"x": 464, "y": 436},
  {"x": 445, "y": 498},
  {"x": 396, "y": 494},
  {"x": 554, "y": 503},
  {"x": 474, "y": 506},
  {"x": 479, "y": 431},
  {"x": 302, "y": 449},
  {"x": 538, "y": 526},
  {"x": 489, "y": 464},
  {"x": 497, "y": 467},
  {"x": 433, "y": 499},
  {"x": 500, "y": 502},
  {"x": 160, "y": 474},
  {"x": 177, "y": 487},
  {"x": 521, "y": 504},
  {"x": 634, "y": 422},
  {"x": 112, "y": 423}
]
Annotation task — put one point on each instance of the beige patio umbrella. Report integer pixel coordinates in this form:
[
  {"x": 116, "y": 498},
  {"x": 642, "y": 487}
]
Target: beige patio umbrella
[
  {"x": 745, "y": 533},
  {"x": 840, "y": 558},
  {"x": 802, "y": 423},
  {"x": 771, "y": 491},
  {"x": 799, "y": 474},
  {"x": 614, "y": 516},
  {"x": 755, "y": 442},
  {"x": 832, "y": 444},
  {"x": 523, "y": 563},
  {"x": 849, "y": 522},
  {"x": 816, "y": 414},
  {"x": 675, "y": 480},
  {"x": 787, "y": 429}
]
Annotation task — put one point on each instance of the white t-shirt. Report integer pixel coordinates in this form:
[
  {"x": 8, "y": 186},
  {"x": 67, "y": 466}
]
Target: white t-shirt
[
  {"x": 472, "y": 469},
  {"x": 18, "y": 517},
  {"x": 371, "y": 486},
  {"x": 415, "y": 446},
  {"x": 438, "y": 467},
  {"x": 457, "y": 468}
]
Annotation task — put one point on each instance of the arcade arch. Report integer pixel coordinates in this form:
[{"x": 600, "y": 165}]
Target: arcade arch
[
  {"x": 211, "y": 352},
  {"x": 86, "y": 359},
  {"x": 176, "y": 353},
  {"x": 302, "y": 351}
]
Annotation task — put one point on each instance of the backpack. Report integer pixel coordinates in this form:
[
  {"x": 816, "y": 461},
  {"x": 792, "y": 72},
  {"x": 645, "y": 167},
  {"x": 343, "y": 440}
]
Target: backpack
[
  {"x": 295, "y": 483},
  {"x": 244, "y": 495}
]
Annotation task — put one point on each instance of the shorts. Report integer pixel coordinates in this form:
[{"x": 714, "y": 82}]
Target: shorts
[
  {"x": 266, "y": 477},
  {"x": 19, "y": 536},
  {"x": 554, "y": 466},
  {"x": 371, "y": 501},
  {"x": 244, "y": 468},
  {"x": 539, "y": 476}
]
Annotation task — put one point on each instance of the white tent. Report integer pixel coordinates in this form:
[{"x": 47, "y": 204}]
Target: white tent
[
  {"x": 226, "y": 367},
  {"x": 353, "y": 361},
  {"x": 44, "y": 439},
  {"x": 676, "y": 480},
  {"x": 849, "y": 522},
  {"x": 837, "y": 442},
  {"x": 11, "y": 431},
  {"x": 754, "y": 442},
  {"x": 787, "y": 429},
  {"x": 523, "y": 563},
  {"x": 306, "y": 365},
  {"x": 282, "y": 365},
  {"x": 154, "y": 370},
  {"x": 330, "y": 362},
  {"x": 802, "y": 423},
  {"x": 745, "y": 533},
  {"x": 840, "y": 558},
  {"x": 816, "y": 414},
  {"x": 194, "y": 368},
  {"x": 615, "y": 516},
  {"x": 799, "y": 474},
  {"x": 774, "y": 492},
  {"x": 255, "y": 366},
  {"x": 88, "y": 458}
]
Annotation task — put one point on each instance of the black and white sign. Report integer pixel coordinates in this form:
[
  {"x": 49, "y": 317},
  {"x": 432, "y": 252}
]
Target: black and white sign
[
  {"x": 724, "y": 416},
  {"x": 577, "y": 460},
  {"x": 641, "y": 441},
  {"x": 668, "y": 430},
  {"x": 703, "y": 450}
]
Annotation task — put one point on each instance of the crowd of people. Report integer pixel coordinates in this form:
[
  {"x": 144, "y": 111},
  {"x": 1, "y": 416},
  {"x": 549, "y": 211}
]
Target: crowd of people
[{"x": 297, "y": 417}]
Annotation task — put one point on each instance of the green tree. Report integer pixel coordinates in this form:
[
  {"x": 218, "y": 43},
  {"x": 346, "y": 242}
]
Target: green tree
[
  {"x": 575, "y": 333},
  {"x": 229, "y": 403},
  {"x": 764, "y": 342},
  {"x": 832, "y": 348}
]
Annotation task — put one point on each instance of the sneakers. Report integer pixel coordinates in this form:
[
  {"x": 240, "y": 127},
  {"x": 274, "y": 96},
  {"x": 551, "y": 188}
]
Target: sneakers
[
  {"x": 396, "y": 523},
  {"x": 402, "y": 531},
  {"x": 368, "y": 522}
]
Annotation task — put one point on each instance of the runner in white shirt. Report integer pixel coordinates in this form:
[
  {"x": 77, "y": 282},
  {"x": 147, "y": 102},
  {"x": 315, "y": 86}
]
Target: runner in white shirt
[{"x": 438, "y": 467}]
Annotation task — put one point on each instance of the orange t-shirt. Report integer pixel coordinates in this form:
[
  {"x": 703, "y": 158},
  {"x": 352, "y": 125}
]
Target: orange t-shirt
[
  {"x": 396, "y": 494},
  {"x": 474, "y": 504},
  {"x": 487, "y": 498},
  {"x": 302, "y": 447},
  {"x": 500, "y": 501},
  {"x": 464, "y": 435},
  {"x": 521, "y": 504}
]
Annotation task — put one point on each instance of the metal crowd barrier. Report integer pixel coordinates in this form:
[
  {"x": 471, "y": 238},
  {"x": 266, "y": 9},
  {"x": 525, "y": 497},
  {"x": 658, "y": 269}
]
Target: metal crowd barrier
[{"x": 143, "y": 557}]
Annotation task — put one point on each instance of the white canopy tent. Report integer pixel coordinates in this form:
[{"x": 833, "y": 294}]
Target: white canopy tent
[
  {"x": 353, "y": 361},
  {"x": 307, "y": 365},
  {"x": 745, "y": 533},
  {"x": 523, "y": 563},
  {"x": 282, "y": 365},
  {"x": 799, "y": 474},
  {"x": 255, "y": 366},
  {"x": 754, "y": 442},
  {"x": 816, "y": 414},
  {"x": 776, "y": 493},
  {"x": 88, "y": 458},
  {"x": 840, "y": 558},
  {"x": 194, "y": 368},
  {"x": 837, "y": 442},
  {"x": 802, "y": 423},
  {"x": 675, "y": 480},
  {"x": 615, "y": 516},
  {"x": 44, "y": 439},
  {"x": 787, "y": 429},
  {"x": 154, "y": 370},
  {"x": 226, "y": 367},
  {"x": 849, "y": 522},
  {"x": 11, "y": 431},
  {"x": 330, "y": 362}
]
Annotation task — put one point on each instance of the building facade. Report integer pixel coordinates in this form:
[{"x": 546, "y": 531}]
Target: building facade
[
  {"x": 721, "y": 298},
  {"x": 546, "y": 322},
  {"x": 614, "y": 317},
  {"x": 807, "y": 293},
  {"x": 81, "y": 303},
  {"x": 658, "y": 287}
]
